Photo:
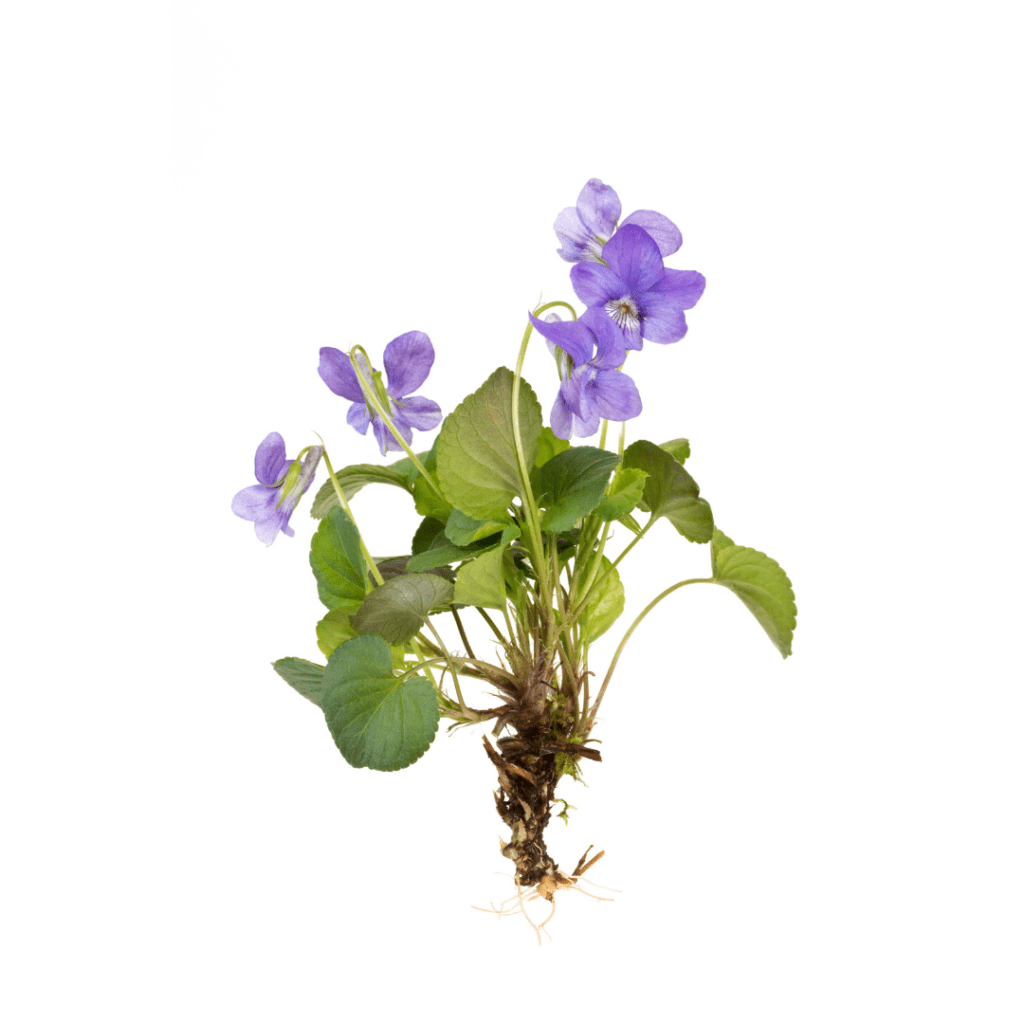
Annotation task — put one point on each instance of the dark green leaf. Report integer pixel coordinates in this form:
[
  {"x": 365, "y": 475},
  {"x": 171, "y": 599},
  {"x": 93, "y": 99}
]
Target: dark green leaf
[
  {"x": 462, "y": 530},
  {"x": 390, "y": 568},
  {"x": 761, "y": 584},
  {"x": 337, "y": 561},
  {"x": 476, "y": 455},
  {"x": 397, "y": 609},
  {"x": 679, "y": 449},
  {"x": 572, "y": 483},
  {"x": 426, "y": 533},
  {"x": 624, "y": 494},
  {"x": 353, "y": 479},
  {"x": 670, "y": 491},
  {"x": 548, "y": 446},
  {"x": 377, "y": 719},
  {"x": 302, "y": 676}
]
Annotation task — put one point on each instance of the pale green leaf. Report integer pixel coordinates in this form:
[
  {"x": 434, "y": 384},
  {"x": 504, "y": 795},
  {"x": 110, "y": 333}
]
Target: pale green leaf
[
  {"x": 572, "y": 483},
  {"x": 337, "y": 561},
  {"x": 397, "y": 609},
  {"x": 353, "y": 479},
  {"x": 476, "y": 455},
  {"x": 670, "y": 491},
  {"x": 548, "y": 446},
  {"x": 679, "y": 449},
  {"x": 481, "y": 582},
  {"x": 302, "y": 676},
  {"x": 761, "y": 584},
  {"x": 624, "y": 494},
  {"x": 604, "y": 604},
  {"x": 378, "y": 720},
  {"x": 463, "y": 530},
  {"x": 333, "y": 630}
]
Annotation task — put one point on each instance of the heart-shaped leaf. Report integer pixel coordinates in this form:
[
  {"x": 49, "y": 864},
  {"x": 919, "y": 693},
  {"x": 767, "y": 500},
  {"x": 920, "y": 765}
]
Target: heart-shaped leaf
[
  {"x": 397, "y": 609},
  {"x": 572, "y": 483},
  {"x": 761, "y": 584},
  {"x": 476, "y": 456},
  {"x": 378, "y": 720},
  {"x": 670, "y": 491}
]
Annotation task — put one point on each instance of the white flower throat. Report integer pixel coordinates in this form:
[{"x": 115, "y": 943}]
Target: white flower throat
[{"x": 626, "y": 313}]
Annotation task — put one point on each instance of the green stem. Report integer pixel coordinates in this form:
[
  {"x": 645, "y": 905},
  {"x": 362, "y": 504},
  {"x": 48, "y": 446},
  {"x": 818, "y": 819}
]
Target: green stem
[
  {"x": 604, "y": 434},
  {"x": 462, "y": 632},
  {"x": 581, "y": 604},
  {"x": 451, "y": 666},
  {"x": 629, "y": 632},
  {"x": 348, "y": 511},
  {"x": 374, "y": 402}
]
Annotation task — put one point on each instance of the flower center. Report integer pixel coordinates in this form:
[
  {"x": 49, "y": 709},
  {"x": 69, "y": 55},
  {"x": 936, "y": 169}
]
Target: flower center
[{"x": 626, "y": 313}]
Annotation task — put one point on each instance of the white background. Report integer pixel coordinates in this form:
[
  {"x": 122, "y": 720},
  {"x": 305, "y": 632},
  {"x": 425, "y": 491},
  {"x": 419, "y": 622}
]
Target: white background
[{"x": 202, "y": 195}]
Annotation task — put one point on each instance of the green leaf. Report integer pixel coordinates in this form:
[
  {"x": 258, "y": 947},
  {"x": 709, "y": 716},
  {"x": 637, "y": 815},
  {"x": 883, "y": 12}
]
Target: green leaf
[
  {"x": 462, "y": 530},
  {"x": 426, "y": 533},
  {"x": 604, "y": 605},
  {"x": 353, "y": 479},
  {"x": 397, "y": 609},
  {"x": 302, "y": 676},
  {"x": 624, "y": 494},
  {"x": 390, "y": 568},
  {"x": 337, "y": 561},
  {"x": 333, "y": 630},
  {"x": 548, "y": 446},
  {"x": 679, "y": 449},
  {"x": 572, "y": 484},
  {"x": 446, "y": 554},
  {"x": 481, "y": 582},
  {"x": 428, "y": 501},
  {"x": 670, "y": 491},
  {"x": 378, "y": 720},
  {"x": 761, "y": 584},
  {"x": 476, "y": 456}
]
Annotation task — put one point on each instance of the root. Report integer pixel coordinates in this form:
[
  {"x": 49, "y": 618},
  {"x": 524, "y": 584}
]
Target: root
[{"x": 546, "y": 889}]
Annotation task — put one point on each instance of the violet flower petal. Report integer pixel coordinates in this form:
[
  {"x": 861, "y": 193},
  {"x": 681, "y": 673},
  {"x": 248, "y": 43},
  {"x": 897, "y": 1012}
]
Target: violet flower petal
[
  {"x": 573, "y": 336},
  {"x": 577, "y": 241},
  {"x": 599, "y": 207},
  {"x": 358, "y": 417},
  {"x": 664, "y": 304},
  {"x": 611, "y": 343},
  {"x": 271, "y": 460},
  {"x": 595, "y": 283},
  {"x": 666, "y": 235},
  {"x": 336, "y": 372},
  {"x": 255, "y": 502},
  {"x": 614, "y": 396},
  {"x": 635, "y": 258},
  {"x": 407, "y": 361},
  {"x": 419, "y": 413}
]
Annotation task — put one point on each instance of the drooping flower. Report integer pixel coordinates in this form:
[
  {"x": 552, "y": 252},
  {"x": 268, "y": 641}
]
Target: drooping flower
[
  {"x": 584, "y": 229},
  {"x": 589, "y": 352},
  {"x": 282, "y": 482},
  {"x": 636, "y": 291},
  {"x": 407, "y": 361}
]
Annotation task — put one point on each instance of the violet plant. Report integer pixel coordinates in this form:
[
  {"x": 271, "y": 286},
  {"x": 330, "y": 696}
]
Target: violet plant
[{"x": 516, "y": 527}]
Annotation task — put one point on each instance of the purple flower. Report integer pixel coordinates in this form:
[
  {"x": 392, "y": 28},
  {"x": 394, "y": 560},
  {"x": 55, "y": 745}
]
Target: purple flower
[
  {"x": 282, "y": 482},
  {"x": 589, "y": 350},
  {"x": 635, "y": 290},
  {"x": 584, "y": 229},
  {"x": 407, "y": 361}
]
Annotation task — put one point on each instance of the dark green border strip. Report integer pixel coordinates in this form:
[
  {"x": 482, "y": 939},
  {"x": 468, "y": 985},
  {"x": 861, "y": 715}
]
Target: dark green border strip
[
  {"x": 939, "y": 370},
  {"x": 85, "y": 744}
]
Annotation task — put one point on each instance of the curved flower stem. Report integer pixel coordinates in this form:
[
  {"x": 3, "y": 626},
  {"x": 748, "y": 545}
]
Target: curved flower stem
[
  {"x": 604, "y": 434},
  {"x": 629, "y": 632},
  {"x": 529, "y": 501},
  {"x": 374, "y": 402},
  {"x": 348, "y": 511},
  {"x": 451, "y": 664},
  {"x": 622, "y": 438}
]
